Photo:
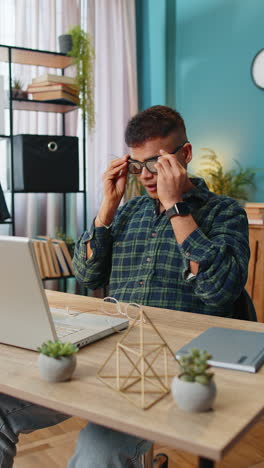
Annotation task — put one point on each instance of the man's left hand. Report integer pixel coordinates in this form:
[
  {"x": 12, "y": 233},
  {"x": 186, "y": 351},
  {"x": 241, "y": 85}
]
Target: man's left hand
[{"x": 172, "y": 178}]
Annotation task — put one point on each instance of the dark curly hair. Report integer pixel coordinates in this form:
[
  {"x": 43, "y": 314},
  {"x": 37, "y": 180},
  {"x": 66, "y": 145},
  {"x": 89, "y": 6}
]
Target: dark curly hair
[{"x": 156, "y": 121}]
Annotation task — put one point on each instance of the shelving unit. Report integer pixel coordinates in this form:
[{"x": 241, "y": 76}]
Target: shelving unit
[{"x": 32, "y": 57}]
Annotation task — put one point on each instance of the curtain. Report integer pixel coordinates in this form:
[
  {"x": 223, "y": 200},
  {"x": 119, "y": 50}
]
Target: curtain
[{"x": 112, "y": 24}]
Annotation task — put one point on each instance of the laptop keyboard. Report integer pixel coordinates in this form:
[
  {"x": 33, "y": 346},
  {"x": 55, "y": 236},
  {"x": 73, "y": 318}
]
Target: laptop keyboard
[{"x": 64, "y": 330}]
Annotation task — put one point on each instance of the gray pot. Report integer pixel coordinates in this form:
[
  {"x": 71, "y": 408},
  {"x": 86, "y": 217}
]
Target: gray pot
[
  {"x": 65, "y": 43},
  {"x": 56, "y": 370},
  {"x": 193, "y": 396}
]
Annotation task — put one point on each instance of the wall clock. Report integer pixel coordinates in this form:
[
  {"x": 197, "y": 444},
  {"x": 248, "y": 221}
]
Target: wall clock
[{"x": 257, "y": 69}]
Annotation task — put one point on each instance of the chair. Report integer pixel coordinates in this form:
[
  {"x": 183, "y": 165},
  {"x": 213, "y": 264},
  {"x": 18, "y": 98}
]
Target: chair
[
  {"x": 244, "y": 308},
  {"x": 159, "y": 461}
]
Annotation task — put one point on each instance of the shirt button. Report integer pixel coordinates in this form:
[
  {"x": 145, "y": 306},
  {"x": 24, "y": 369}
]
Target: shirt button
[
  {"x": 117, "y": 244},
  {"x": 154, "y": 234},
  {"x": 148, "y": 259},
  {"x": 141, "y": 283},
  {"x": 187, "y": 254}
]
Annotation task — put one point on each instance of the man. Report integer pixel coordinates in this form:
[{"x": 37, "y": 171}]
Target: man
[{"x": 178, "y": 247}]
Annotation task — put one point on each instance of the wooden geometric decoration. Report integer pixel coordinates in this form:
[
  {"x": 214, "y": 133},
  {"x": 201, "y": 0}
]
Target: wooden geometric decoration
[{"x": 138, "y": 368}]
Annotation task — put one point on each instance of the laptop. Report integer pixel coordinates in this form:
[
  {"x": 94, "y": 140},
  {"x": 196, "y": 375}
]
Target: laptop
[
  {"x": 26, "y": 320},
  {"x": 232, "y": 349}
]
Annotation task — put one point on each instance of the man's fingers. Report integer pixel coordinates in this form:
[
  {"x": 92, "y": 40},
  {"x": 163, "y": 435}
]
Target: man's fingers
[
  {"x": 117, "y": 162},
  {"x": 111, "y": 173}
]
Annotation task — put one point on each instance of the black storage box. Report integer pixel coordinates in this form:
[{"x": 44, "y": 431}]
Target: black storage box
[{"x": 46, "y": 163}]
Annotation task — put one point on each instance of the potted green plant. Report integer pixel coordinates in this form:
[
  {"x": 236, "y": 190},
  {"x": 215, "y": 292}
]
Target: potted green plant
[
  {"x": 234, "y": 183},
  {"x": 194, "y": 389},
  {"x": 82, "y": 51},
  {"x": 17, "y": 90},
  {"x": 57, "y": 360}
]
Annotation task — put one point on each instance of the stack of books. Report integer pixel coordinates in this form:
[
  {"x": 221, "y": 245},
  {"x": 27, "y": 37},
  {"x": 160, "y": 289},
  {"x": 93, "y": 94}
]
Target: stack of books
[
  {"x": 53, "y": 257},
  {"x": 255, "y": 213},
  {"x": 56, "y": 88}
]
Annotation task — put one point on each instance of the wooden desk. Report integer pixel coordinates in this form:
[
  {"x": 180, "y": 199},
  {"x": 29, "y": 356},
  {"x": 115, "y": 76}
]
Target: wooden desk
[
  {"x": 255, "y": 280},
  {"x": 239, "y": 404}
]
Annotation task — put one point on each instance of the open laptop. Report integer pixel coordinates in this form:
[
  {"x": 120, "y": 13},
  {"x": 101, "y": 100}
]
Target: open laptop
[{"x": 25, "y": 317}]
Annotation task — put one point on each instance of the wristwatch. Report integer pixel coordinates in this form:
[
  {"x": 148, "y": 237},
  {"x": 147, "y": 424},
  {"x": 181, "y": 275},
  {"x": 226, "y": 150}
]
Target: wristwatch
[{"x": 178, "y": 209}]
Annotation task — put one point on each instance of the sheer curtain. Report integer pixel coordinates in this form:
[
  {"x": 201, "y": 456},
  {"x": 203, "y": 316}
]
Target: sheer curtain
[
  {"x": 112, "y": 24},
  {"x": 38, "y": 25}
]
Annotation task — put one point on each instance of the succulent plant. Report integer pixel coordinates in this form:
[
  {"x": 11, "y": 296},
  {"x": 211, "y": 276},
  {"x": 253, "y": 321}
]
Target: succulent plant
[
  {"x": 57, "y": 349},
  {"x": 194, "y": 367}
]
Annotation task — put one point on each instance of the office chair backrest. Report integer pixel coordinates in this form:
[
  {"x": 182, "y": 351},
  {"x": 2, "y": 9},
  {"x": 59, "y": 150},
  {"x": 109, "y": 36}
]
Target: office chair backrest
[{"x": 244, "y": 308}]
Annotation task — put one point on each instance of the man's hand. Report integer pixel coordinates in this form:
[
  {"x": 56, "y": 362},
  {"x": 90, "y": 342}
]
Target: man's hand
[
  {"x": 172, "y": 178},
  {"x": 114, "y": 184},
  {"x": 114, "y": 180}
]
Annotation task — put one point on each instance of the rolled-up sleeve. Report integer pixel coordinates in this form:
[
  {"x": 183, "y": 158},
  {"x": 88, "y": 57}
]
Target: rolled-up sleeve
[
  {"x": 223, "y": 255},
  {"x": 95, "y": 271}
]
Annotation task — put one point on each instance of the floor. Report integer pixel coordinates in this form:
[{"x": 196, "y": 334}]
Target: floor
[{"x": 52, "y": 447}]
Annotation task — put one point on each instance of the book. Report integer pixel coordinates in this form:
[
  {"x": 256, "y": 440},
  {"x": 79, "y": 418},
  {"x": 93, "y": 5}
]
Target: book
[
  {"x": 52, "y": 257},
  {"x": 39, "y": 261},
  {"x": 231, "y": 349},
  {"x": 54, "y": 78},
  {"x": 256, "y": 205},
  {"x": 56, "y": 96},
  {"x": 44, "y": 261},
  {"x": 255, "y": 221},
  {"x": 65, "y": 252},
  {"x": 62, "y": 263},
  {"x": 52, "y": 87}
]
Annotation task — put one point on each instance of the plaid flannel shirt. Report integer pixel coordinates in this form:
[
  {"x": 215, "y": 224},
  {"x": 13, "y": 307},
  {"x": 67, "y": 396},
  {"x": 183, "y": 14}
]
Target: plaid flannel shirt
[{"x": 142, "y": 262}]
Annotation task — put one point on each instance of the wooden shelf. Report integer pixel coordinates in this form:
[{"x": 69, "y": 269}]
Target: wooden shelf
[
  {"x": 42, "y": 58},
  {"x": 42, "y": 106},
  {"x": 57, "y": 278},
  {"x": 27, "y": 192}
]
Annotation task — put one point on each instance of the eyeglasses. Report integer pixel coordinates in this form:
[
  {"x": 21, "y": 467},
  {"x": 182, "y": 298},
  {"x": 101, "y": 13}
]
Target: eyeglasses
[
  {"x": 130, "y": 310},
  {"x": 136, "y": 167}
]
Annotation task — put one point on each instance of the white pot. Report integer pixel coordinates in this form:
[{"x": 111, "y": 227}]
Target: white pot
[
  {"x": 193, "y": 396},
  {"x": 56, "y": 370}
]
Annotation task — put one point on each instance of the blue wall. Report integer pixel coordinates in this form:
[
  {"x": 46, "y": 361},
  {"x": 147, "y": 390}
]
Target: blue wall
[{"x": 196, "y": 55}]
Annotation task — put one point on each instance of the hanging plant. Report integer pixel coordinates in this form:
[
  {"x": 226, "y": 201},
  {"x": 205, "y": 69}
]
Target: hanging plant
[{"x": 83, "y": 55}]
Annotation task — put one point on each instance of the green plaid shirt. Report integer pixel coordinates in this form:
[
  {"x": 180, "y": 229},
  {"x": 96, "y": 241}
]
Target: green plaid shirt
[{"x": 142, "y": 262}]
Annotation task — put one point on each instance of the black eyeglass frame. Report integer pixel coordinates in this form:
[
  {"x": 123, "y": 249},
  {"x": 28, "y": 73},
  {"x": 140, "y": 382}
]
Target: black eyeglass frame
[{"x": 144, "y": 163}]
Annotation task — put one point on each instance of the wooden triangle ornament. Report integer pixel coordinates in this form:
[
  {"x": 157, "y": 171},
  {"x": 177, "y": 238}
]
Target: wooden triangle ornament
[{"x": 138, "y": 368}]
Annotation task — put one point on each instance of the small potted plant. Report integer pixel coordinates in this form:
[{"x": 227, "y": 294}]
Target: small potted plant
[
  {"x": 57, "y": 360},
  {"x": 194, "y": 389},
  {"x": 17, "y": 90}
]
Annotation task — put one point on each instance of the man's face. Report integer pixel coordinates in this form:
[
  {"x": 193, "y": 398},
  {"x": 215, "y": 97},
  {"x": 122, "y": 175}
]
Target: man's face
[{"x": 152, "y": 148}]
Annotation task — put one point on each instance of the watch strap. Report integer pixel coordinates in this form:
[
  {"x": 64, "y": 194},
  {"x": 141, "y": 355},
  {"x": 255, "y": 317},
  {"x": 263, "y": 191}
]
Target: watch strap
[{"x": 178, "y": 209}]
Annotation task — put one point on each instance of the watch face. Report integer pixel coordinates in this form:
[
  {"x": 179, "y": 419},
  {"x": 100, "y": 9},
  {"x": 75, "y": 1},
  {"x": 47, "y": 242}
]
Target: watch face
[
  {"x": 183, "y": 208},
  {"x": 257, "y": 69}
]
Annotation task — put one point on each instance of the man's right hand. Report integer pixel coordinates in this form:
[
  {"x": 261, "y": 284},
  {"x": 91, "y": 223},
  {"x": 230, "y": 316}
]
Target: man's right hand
[
  {"x": 114, "y": 184},
  {"x": 114, "y": 180}
]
